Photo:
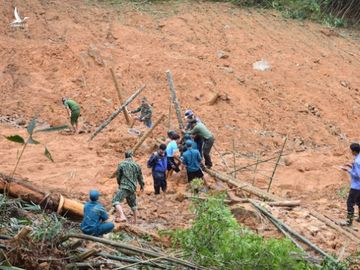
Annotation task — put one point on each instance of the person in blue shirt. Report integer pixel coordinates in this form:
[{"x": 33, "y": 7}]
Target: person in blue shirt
[
  {"x": 192, "y": 160},
  {"x": 191, "y": 121},
  {"x": 158, "y": 164},
  {"x": 95, "y": 216},
  {"x": 354, "y": 194},
  {"x": 172, "y": 153},
  {"x": 185, "y": 138}
]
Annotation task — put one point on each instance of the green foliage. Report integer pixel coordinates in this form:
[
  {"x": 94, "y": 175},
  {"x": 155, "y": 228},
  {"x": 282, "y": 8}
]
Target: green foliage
[
  {"x": 343, "y": 191},
  {"x": 50, "y": 227},
  {"x": 16, "y": 138},
  {"x": 217, "y": 240},
  {"x": 196, "y": 184}
]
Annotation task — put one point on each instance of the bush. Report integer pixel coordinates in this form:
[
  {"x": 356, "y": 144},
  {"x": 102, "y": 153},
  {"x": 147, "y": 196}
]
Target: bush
[{"x": 216, "y": 239}]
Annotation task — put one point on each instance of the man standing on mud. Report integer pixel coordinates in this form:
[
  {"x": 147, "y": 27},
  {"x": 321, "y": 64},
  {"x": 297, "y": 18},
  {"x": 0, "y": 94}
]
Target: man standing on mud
[
  {"x": 158, "y": 164},
  {"x": 203, "y": 133},
  {"x": 73, "y": 110},
  {"x": 128, "y": 174},
  {"x": 354, "y": 194},
  {"x": 145, "y": 112}
]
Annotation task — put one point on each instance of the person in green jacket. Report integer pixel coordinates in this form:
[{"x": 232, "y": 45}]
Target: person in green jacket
[
  {"x": 203, "y": 133},
  {"x": 73, "y": 110},
  {"x": 128, "y": 174}
]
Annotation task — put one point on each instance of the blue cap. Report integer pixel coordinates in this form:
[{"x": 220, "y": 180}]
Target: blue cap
[
  {"x": 189, "y": 143},
  {"x": 94, "y": 195}
]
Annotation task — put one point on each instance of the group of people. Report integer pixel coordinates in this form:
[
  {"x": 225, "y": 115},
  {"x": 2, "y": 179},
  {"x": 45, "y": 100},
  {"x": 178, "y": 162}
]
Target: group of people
[{"x": 188, "y": 151}]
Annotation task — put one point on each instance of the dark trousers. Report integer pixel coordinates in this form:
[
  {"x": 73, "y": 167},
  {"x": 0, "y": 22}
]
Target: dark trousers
[
  {"x": 353, "y": 199},
  {"x": 172, "y": 164},
  {"x": 199, "y": 142},
  {"x": 192, "y": 175},
  {"x": 102, "y": 228},
  {"x": 208, "y": 144},
  {"x": 159, "y": 182}
]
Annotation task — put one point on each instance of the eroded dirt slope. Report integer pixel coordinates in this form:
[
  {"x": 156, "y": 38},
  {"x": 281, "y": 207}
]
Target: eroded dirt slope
[{"x": 310, "y": 94}]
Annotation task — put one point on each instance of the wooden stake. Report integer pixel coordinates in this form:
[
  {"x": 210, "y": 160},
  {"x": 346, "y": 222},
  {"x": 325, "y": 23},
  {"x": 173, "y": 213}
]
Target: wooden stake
[
  {"x": 116, "y": 113},
  {"x": 147, "y": 133},
  {"x": 174, "y": 99},
  {"x": 118, "y": 90},
  {"x": 277, "y": 163},
  {"x": 234, "y": 158},
  {"x": 169, "y": 123}
]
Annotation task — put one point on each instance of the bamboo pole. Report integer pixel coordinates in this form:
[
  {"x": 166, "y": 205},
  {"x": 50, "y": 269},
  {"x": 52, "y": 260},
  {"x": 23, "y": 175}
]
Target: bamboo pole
[
  {"x": 126, "y": 115},
  {"x": 277, "y": 163},
  {"x": 334, "y": 226},
  {"x": 257, "y": 163},
  {"x": 169, "y": 123},
  {"x": 244, "y": 186},
  {"x": 121, "y": 245},
  {"x": 147, "y": 133},
  {"x": 116, "y": 113},
  {"x": 175, "y": 101},
  {"x": 291, "y": 231}
]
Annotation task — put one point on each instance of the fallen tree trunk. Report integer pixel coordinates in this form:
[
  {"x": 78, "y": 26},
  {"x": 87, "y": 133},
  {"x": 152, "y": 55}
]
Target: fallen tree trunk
[
  {"x": 244, "y": 186},
  {"x": 19, "y": 188}
]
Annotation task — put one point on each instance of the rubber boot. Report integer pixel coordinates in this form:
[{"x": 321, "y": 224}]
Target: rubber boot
[{"x": 348, "y": 222}]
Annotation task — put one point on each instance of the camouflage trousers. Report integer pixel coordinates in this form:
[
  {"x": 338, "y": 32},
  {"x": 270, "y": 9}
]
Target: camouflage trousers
[{"x": 122, "y": 194}]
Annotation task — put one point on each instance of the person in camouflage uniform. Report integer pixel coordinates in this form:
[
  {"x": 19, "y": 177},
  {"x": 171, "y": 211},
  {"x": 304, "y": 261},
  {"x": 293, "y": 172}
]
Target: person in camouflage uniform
[
  {"x": 128, "y": 174},
  {"x": 145, "y": 112},
  {"x": 73, "y": 110}
]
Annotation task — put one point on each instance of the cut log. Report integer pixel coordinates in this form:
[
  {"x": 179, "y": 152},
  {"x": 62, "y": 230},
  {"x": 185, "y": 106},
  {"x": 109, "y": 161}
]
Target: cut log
[
  {"x": 175, "y": 101},
  {"x": 147, "y": 133},
  {"x": 118, "y": 90},
  {"x": 244, "y": 186},
  {"x": 19, "y": 188},
  {"x": 334, "y": 226},
  {"x": 214, "y": 99},
  {"x": 116, "y": 113}
]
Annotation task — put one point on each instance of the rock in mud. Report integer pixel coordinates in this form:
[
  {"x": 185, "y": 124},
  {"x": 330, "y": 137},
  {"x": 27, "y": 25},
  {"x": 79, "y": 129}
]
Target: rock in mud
[{"x": 222, "y": 55}]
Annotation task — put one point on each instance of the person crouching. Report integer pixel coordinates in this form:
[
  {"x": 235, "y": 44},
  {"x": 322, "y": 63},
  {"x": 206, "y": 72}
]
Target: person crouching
[{"x": 95, "y": 216}]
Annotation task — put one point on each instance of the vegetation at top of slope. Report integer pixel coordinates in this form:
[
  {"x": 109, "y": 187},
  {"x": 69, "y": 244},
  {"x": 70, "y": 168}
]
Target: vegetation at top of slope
[{"x": 333, "y": 13}]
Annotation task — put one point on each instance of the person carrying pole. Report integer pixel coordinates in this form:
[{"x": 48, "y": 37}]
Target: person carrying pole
[
  {"x": 73, "y": 110},
  {"x": 95, "y": 216},
  {"x": 145, "y": 112},
  {"x": 128, "y": 174},
  {"x": 158, "y": 164},
  {"x": 354, "y": 194}
]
